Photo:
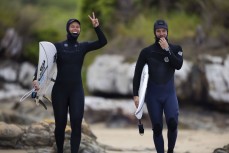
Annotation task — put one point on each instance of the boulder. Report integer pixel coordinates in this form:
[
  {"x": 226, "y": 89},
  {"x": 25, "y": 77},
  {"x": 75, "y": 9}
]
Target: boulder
[
  {"x": 39, "y": 137},
  {"x": 10, "y": 134},
  {"x": 216, "y": 71},
  {"x": 8, "y": 71},
  {"x": 110, "y": 75},
  {"x": 26, "y": 74}
]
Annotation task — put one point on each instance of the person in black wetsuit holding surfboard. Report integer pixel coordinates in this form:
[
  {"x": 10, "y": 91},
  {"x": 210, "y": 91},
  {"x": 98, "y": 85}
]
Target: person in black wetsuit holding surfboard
[
  {"x": 163, "y": 59},
  {"x": 67, "y": 93}
]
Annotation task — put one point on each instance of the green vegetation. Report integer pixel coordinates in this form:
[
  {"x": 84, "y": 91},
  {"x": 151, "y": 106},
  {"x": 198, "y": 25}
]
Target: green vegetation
[
  {"x": 39, "y": 20},
  {"x": 123, "y": 22}
]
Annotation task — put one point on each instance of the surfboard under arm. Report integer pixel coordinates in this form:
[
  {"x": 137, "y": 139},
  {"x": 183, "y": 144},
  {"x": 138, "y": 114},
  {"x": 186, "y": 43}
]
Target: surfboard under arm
[{"x": 142, "y": 91}]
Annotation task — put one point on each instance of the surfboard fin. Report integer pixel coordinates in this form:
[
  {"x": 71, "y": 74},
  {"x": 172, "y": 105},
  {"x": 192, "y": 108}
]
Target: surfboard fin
[
  {"x": 47, "y": 99},
  {"x": 43, "y": 104},
  {"x": 38, "y": 101},
  {"x": 140, "y": 128}
]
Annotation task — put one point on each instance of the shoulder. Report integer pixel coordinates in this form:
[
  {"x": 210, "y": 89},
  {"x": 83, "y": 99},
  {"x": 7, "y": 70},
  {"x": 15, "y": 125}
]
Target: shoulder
[
  {"x": 58, "y": 44},
  {"x": 147, "y": 49}
]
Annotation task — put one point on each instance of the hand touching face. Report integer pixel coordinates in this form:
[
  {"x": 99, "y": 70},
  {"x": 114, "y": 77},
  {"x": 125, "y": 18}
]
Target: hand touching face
[
  {"x": 94, "y": 20},
  {"x": 162, "y": 33},
  {"x": 163, "y": 43}
]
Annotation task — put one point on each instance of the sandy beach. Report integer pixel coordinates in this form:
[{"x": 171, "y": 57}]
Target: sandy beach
[
  {"x": 189, "y": 141},
  {"x": 128, "y": 140}
]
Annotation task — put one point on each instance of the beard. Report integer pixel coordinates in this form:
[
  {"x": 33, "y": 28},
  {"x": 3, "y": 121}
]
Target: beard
[
  {"x": 73, "y": 36},
  {"x": 158, "y": 38}
]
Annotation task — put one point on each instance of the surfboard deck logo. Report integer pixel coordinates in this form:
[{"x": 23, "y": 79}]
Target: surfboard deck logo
[
  {"x": 46, "y": 73},
  {"x": 142, "y": 91}
]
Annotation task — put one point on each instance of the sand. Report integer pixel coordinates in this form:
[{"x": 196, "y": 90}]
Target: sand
[
  {"x": 128, "y": 139},
  {"x": 189, "y": 141}
]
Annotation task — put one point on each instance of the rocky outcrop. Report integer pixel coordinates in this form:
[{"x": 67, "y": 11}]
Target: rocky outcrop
[
  {"x": 110, "y": 75},
  {"x": 15, "y": 78},
  {"x": 39, "y": 137},
  {"x": 205, "y": 81},
  {"x": 216, "y": 70}
]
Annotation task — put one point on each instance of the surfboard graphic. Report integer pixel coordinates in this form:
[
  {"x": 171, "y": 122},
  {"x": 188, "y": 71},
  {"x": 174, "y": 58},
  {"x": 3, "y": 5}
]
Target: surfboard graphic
[
  {"x": 46, "y": 66},
  {"x": 142, "y": 91},
  {"x": 46, "y": 72}
]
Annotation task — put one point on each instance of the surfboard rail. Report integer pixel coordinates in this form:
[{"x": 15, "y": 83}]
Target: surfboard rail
[{"x": 142, "y": 91}]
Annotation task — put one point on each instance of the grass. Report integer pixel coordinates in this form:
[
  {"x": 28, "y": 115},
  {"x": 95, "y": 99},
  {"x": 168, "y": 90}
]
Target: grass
[{"x": 180, "y": 24}]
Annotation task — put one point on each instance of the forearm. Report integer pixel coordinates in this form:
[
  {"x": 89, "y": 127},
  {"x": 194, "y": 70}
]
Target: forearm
[
  {"x": 175, "y": 61},
  {"x": 175, "y": 57},
  {"x": 101, "y": 37}
]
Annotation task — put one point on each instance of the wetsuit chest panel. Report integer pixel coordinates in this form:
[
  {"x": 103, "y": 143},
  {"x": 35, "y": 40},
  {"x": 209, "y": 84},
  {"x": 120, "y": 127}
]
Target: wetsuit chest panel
[
  {"x": 69, "y": 62},
  {"x": 159, "y": 69},
  {"x": 70, "y": 54}
]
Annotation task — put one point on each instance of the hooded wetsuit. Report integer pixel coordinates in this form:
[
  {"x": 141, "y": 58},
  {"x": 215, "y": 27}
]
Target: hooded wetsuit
[
  {"x": 67, "y": 93},
  {"x": 160, "y": 94}
]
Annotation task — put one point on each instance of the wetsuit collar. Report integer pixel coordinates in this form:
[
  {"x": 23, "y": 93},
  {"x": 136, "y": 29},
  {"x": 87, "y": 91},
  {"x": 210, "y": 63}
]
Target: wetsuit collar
[{"x": 71, "y": 39}]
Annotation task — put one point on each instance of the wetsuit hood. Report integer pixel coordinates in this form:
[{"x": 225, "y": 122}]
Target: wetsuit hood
[
  {"x": 72, "y": 36},
  {"x": 160, "y": 24}
]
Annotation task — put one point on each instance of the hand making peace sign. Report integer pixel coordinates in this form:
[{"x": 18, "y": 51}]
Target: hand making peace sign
[{"x": 94, "y": 20}]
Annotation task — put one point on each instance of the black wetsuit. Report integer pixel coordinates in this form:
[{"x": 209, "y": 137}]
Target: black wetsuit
[
  {"x": 160, "y": 95},
  {"x": 67, "y": 93}
]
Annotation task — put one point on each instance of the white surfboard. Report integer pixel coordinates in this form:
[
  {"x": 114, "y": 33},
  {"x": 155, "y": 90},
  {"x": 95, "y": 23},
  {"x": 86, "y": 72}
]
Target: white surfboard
[
  {"x": 142, "y": 91},
  {"x": 46, "y": 71},
  {"x": 46, "y": 66}
]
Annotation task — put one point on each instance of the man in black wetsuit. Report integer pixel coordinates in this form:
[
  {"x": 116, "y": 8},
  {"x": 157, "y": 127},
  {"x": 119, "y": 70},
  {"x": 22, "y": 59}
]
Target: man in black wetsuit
[
  {"x": 67, "y": 93},
  {"x": 162, "y": 59}
]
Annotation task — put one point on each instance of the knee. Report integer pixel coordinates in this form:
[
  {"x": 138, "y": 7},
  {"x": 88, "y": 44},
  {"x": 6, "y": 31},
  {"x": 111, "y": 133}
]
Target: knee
[
  {"x": 172, "y": 124},
  {"x": 157, "y": 130}
]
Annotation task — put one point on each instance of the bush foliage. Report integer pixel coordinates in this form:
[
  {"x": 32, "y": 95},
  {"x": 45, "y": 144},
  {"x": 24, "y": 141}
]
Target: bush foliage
[{"x": 38, "y": 20}]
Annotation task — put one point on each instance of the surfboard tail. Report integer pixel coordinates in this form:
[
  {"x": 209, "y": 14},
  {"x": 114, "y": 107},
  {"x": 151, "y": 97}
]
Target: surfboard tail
[{"x": 138, "y": 114}]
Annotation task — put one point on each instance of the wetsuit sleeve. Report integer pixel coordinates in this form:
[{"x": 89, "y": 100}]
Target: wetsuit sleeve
[
  {"x": 102, "y": 41},
  {"x": 138, "y": 72},
  {"x": 175, "y": 55}
]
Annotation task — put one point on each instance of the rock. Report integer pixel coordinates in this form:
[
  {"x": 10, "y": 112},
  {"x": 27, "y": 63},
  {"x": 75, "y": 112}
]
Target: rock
[
  {"x": 203, "y": 82},
  {"x": 11, "y": 44},
  {"x": 39, "y": 134},
  {"x": 39, "y": 138},
  {"x": 110, "y": 75},
  {"x": 11, "y": 90},
  {"x": 114, "y": 112},
  {"x": 26, "y": 74},
  {"x": 9, "y": 135},
  {"x": 217, "y": 72},
  {"x": 8, "y": 71},
  {"x": 14, "y": 117},
  {"x": 182, "y": 76}
]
